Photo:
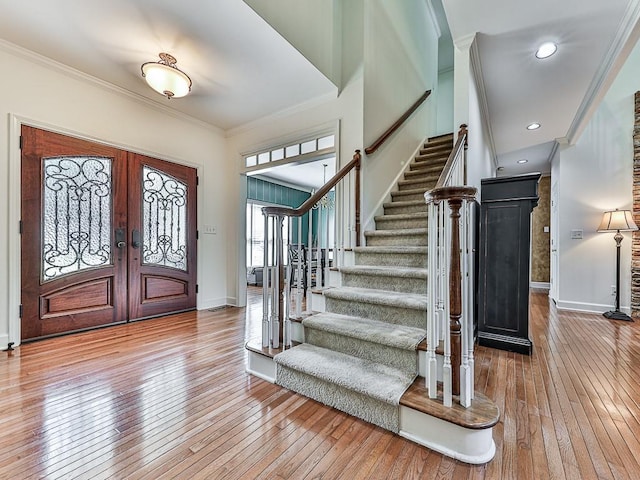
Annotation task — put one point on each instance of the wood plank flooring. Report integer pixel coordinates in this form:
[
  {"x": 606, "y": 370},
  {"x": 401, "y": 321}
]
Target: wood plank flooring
[{"x": 169, "y": 398}]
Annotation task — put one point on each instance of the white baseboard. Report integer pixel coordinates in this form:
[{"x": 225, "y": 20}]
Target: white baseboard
[
  {"x": 216, "y": 302},
  {"x": 588, "y": 307},
  {"x": 540, "y": 285},
  {"x": 4, "y": 341}
]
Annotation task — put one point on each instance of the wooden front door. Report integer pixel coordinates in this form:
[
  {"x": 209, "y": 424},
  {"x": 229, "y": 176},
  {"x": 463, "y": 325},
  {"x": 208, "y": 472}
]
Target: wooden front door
[{"x": 107, "y": 235}]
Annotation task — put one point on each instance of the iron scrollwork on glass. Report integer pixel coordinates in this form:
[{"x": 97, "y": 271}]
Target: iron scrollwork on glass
[
  {"x": 164, "y": 220},
  {"x": 76, "y": 215}
]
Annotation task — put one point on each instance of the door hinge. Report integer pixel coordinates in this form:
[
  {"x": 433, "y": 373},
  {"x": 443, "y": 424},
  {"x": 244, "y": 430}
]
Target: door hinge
[
  {"x": 197, "y": 234},
  {"x": 20, "y": 142},
  {"x": 20, "y": 311},
  {"x": 197, "y": 180},
  {"x": 197, "y": 288},
  {"x": 20, "y": 226}
]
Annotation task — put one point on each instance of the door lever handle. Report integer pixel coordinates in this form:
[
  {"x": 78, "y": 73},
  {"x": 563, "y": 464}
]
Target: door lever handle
[{"x": 121, "y": 244}]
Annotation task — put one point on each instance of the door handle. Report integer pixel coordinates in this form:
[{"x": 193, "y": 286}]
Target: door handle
[
  {"x": 135, "y": 238},
  {"x": 120, "y": 238}
]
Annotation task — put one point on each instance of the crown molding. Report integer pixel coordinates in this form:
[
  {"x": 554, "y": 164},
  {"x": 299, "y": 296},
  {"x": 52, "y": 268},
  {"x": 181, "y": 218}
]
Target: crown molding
[
  {"x": 624, "y": 41},
  {"x": 71, "y": 72},
  {"x": 476, "y": 68}
]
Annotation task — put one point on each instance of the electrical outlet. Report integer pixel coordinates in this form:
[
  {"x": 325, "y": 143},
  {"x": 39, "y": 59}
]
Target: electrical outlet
[{"x": 613, "y": 290}]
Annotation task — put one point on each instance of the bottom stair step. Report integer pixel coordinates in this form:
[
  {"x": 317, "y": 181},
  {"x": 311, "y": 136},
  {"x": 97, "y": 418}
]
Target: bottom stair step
[{"x": 359, "y": 387}]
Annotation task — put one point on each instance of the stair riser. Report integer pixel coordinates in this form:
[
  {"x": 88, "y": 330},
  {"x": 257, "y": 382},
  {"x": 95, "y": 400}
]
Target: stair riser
[
  {"x": 420, "y": 172},
  {"x": 397, "y": 210},
  {"x": 362, "y": 406},
  {"x": 436, "y": 150},
  {"x": 398, "y": 224},
  {"x": 416, "y": 260},
  {"x": 397, "y": 240},
  {"x": 384, "y": 313},
  {"x": 405, "y": 197},
  {"x": 428, "y": 165},
  {"x": 406, "y": 360},
  {"x": 425, "y": 184},
  {"x": 388, "y": 283}
]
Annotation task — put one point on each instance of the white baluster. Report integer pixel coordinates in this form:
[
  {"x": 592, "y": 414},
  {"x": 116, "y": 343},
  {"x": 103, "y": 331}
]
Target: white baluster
[
  {"x": 432, "y": 332},
  {"x": 265, "y": 285}
]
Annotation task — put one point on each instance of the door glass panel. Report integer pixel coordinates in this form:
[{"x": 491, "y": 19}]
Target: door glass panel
[
  {"x": 76, "y": 215},
  {"x": 164, "y": 220}
]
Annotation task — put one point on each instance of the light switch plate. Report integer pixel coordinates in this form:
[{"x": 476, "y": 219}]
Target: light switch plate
[{"x": 576, "y": 234}]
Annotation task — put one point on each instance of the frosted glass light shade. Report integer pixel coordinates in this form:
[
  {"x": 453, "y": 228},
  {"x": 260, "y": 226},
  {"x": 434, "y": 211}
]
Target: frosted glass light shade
[
  {"x": 165, "y": 78},
  {"x": 615, "y": 220}
]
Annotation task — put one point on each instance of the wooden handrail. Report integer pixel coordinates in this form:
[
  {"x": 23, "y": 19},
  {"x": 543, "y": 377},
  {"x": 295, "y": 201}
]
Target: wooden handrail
[
  {"x": 375, "y": 145},
  {"x": 461, "y": 143},
  {"x": 315, "y": 198}
]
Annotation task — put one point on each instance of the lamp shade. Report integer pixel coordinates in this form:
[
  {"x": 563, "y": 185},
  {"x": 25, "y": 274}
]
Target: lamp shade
[
  {"x": 617, "y": 220},
  {"x": 165, "y": 78}
]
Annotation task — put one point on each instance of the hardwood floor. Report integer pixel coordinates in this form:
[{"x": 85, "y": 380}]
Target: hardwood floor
[{"x": 169, "y": 398}]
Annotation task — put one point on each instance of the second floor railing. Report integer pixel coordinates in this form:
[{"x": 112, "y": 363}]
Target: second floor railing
[{"x": 450, "y": 320}]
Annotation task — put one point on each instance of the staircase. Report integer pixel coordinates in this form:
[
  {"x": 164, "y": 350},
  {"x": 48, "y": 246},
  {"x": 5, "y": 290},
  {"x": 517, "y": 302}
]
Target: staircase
[{"x": 360, "y": 356}]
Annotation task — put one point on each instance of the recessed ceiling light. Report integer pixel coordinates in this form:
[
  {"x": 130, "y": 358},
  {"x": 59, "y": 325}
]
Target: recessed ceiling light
[
  {"x": 546, "y": 50},
  {"x": 524, "y": 160},
  {"x": 533, "y": 126}
]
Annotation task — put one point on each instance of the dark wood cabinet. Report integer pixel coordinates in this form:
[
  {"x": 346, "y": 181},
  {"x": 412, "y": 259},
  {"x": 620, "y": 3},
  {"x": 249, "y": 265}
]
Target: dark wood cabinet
[{"x": 505, "y": 238}]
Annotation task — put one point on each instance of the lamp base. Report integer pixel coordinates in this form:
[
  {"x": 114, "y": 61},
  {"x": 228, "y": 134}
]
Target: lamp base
[{"x": 617, "y": 315}]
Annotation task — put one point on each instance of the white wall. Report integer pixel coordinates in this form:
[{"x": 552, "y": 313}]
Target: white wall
[
  {"x": 444, "y": 104},
  {"x": 44, "y": 94},
  {"x": 479, "y": 157},
  {"x": 595, "y": 175},
  {"x": 400, "y": 64}
]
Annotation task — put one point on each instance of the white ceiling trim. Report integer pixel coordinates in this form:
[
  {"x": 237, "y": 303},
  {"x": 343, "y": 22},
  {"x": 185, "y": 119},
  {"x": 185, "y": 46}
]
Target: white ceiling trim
[
  {"x": 476, "y": 69},
  {"x": 301, "y": 107},
  {"x": 624, "y": 41},
  {"x": 54, "y": 65}
]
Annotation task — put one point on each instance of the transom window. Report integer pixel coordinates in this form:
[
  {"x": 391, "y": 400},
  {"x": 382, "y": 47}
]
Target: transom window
[{"x": 286, "y": 152}]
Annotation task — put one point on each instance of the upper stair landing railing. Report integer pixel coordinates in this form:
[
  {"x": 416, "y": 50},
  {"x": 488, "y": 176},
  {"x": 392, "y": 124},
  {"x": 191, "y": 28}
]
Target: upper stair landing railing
[
  {"x": 450, "y": 274},
  {"x": 279, "y": 275}
]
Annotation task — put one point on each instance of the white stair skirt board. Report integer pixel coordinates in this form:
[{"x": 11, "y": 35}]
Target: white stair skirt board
[
  {"x": 297, "y": 332},
  {"x": 422, "y": 365},
  {"x": 464, "y": 444},
  {"x": 261, "y": 366},
  {"x": 317, "y": 300}
]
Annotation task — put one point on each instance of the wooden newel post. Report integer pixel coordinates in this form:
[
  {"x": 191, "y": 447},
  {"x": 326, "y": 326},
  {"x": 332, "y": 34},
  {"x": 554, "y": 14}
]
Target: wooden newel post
[
  {"x": 357, "y": 195},
  {"x": 455, "y": 295}
]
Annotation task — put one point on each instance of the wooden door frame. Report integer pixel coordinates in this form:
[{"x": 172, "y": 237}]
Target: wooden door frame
[{"x": 15, "y": 194}]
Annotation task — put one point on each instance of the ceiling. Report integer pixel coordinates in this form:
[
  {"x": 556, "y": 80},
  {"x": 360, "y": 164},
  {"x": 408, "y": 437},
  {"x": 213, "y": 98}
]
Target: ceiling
[
  {"x": 521, "y": 89},
  {"x": 242, "y": 69},
  {"x": 232, "y": 55}
]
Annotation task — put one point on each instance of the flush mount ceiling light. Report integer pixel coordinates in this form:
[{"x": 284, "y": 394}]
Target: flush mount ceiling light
[
  {"x": 533, "y": 126},
  {"x": 524, "y": 160},
  {"x": 165, "y": 78},
  {"x": 546, "y": 50}
]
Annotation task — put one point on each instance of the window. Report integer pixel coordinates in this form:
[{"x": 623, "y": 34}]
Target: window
[
  {"x": 289, "y": 151},
  {"x": 255, "y": 235}
]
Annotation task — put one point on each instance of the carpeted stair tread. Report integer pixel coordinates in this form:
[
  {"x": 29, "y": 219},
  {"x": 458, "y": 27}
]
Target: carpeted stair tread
[
  {"x": 373, "y": 379},
  {"x": 413, "y": 301},
  {"x": 406, "y": 272},
  {"x": 402, "y": 216},
  {"x": 391, "y": 249},
  {"x": 404, "y": 203},
  {"x": 374, "y": 331},
  {"x": 395, "y": 233}
]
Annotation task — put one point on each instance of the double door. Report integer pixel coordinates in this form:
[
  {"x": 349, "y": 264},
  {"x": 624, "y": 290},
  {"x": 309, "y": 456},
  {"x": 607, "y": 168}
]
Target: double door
[{"x": 107, "y": 235}]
